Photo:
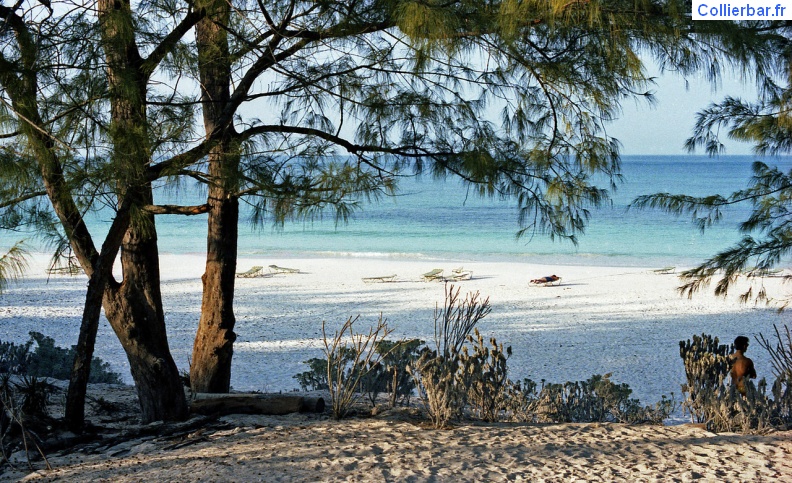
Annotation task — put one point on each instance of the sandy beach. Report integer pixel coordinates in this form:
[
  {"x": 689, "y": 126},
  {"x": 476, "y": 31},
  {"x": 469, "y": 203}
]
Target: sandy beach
[
  {"x": 297, "y": 449},
  {"x": 627, "y": 321}
]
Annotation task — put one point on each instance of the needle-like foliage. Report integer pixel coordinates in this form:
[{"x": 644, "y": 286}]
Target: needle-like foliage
[{"x": 767, "y": 232}]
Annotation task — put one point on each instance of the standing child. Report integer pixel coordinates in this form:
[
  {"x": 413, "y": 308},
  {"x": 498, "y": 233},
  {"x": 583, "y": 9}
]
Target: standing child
[{"x": 742, "y": 367}]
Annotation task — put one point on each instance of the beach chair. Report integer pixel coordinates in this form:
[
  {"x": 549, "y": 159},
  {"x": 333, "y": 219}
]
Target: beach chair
[
  {"x": 754, "y": 272},
  {"x": 277, "y": 269},
  {"x": 664, "y": 270},
  {"x": 253, "y": 272},
  {"x": 384, "y": 278},
  {"x": 436, "y": 274},
  {"x": 67, "y": 270},
  {"x": 458, "y": 274},
  {"x": 546, "y": 281}
]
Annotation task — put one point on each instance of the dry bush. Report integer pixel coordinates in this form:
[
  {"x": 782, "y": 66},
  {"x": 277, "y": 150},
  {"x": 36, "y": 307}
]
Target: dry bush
[
  {"x": 351, "y": 357},
  {"x": 436, "y": 372}
]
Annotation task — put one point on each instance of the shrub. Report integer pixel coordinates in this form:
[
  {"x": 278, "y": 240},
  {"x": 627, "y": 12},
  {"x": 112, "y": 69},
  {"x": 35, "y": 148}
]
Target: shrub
[
  {"x": 439, "y": 373},
  {"x": 397, "y": 357},
  {"x": 47, "y": 360},
  {"x": 348, "y": 367},
  {"x": 706, "y": 367},
  {"x": 597, "y": 399},
  {"x": 719, "y": 405},
  {"x": 23, "y": 414},
  {"x": 389, "y": 375},
  {"x": 13, "y": 357},
  {"x": 484, "y": 374},
  {"x": 315, "y": 378}
]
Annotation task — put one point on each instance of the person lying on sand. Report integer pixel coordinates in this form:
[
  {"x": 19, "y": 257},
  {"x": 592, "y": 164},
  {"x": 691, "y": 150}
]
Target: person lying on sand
[
  {"x": 742, "y": 367},
  {"x": 548, "y": 279}
]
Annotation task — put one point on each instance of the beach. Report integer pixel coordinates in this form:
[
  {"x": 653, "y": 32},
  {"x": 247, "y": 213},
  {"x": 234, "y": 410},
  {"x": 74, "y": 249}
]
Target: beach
[
  {"x": 297, "y": 449},
  {"x": 626, "y": 321}
]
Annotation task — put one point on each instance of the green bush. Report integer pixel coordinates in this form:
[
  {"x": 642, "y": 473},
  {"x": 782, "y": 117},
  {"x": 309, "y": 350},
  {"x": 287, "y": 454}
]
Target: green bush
[
  {"x": 597, "y": 399},
  {"x": 389, "y": 375},
  {"x": 47, "y": 360},
  {"x": 315, "y": 378},
  {"x": 397, "y": 358}
]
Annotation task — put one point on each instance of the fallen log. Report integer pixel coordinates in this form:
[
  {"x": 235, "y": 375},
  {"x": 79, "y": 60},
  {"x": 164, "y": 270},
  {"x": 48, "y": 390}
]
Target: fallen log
[{"x": 251, "y": 403}]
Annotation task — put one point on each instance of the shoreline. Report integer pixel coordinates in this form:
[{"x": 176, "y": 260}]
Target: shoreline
[{"x": 627, "y": 321}]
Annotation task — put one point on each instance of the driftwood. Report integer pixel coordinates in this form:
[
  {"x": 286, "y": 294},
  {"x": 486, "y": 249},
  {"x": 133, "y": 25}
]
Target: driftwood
[{"x": 272, "y": 404}]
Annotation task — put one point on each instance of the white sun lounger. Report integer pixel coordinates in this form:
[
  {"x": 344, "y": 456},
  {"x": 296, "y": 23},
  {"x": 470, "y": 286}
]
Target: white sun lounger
[
  {"x": 277, "y": 269},
  {"x": 384, "y": 278},
  {"x": 458, "y": 274},
  {"x": 664, "y": 270},
  {"x": 253, "y": 272},
  {"x": 436, "y": 274}
]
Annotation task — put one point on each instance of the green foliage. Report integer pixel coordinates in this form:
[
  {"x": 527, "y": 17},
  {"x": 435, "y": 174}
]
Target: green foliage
[
  {"x": 706, "y": 367},
  {"x": 397, "y": 358},
  {"x": 47, "y": 360},
  {"x": 770, "y": 194},
  {"x": 24, "y": 417},
  {"x": 315, "y": 378},
  {"x": 388, "y": 375},
  {"x": 484, "y": 374},
  {"x": 12, "y": 265},
  {"x": 14, "y": 357},
  {"x": 765, "y": 122},
  {"x": 597, "y": 399}
]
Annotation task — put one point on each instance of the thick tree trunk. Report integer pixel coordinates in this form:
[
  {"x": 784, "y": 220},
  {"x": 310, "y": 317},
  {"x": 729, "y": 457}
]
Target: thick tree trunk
[
  {"x": 134, "y": 310},
  {"x": 134, "y": 307},
  {"x": 213, "y": 347}
]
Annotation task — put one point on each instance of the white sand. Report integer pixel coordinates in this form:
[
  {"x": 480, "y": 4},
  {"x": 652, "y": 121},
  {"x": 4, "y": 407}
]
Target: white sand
[
  {"x": 290, "y": 450},
  {"x": 624, "y": 321},
  {"x": 627, "y": 321}
]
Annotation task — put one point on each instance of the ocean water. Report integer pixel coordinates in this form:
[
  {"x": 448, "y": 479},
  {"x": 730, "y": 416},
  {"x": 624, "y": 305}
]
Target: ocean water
[{"x": 437, "y": 219}]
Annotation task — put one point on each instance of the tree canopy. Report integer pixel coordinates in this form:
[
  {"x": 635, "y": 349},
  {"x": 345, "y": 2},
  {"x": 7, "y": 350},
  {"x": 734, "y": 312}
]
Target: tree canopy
[
  {"x": 310, "y": 106},
  {"x": 767, "y": 232}
]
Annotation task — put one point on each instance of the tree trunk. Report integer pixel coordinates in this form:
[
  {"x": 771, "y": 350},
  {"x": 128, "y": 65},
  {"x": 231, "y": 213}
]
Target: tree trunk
[
  {"x": 213, "y": 347},
  {"x": 99, "y": 274},
  {"x": 251, "y": 403},
  {"x": 134, "y": 307},
  {"x": 134, "y": 310}
]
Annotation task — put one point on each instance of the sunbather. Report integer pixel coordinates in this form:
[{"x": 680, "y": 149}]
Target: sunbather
[{"x": 548, "y": 279}]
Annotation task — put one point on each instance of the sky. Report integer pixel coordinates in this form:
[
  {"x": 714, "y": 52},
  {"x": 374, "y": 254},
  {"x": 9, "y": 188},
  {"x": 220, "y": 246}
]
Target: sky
[{"x": 664, "y": 127}]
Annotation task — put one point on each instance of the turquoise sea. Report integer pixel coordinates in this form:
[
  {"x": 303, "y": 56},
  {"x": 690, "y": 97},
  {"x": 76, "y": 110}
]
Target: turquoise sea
[{"x": 440, "y": 219}]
